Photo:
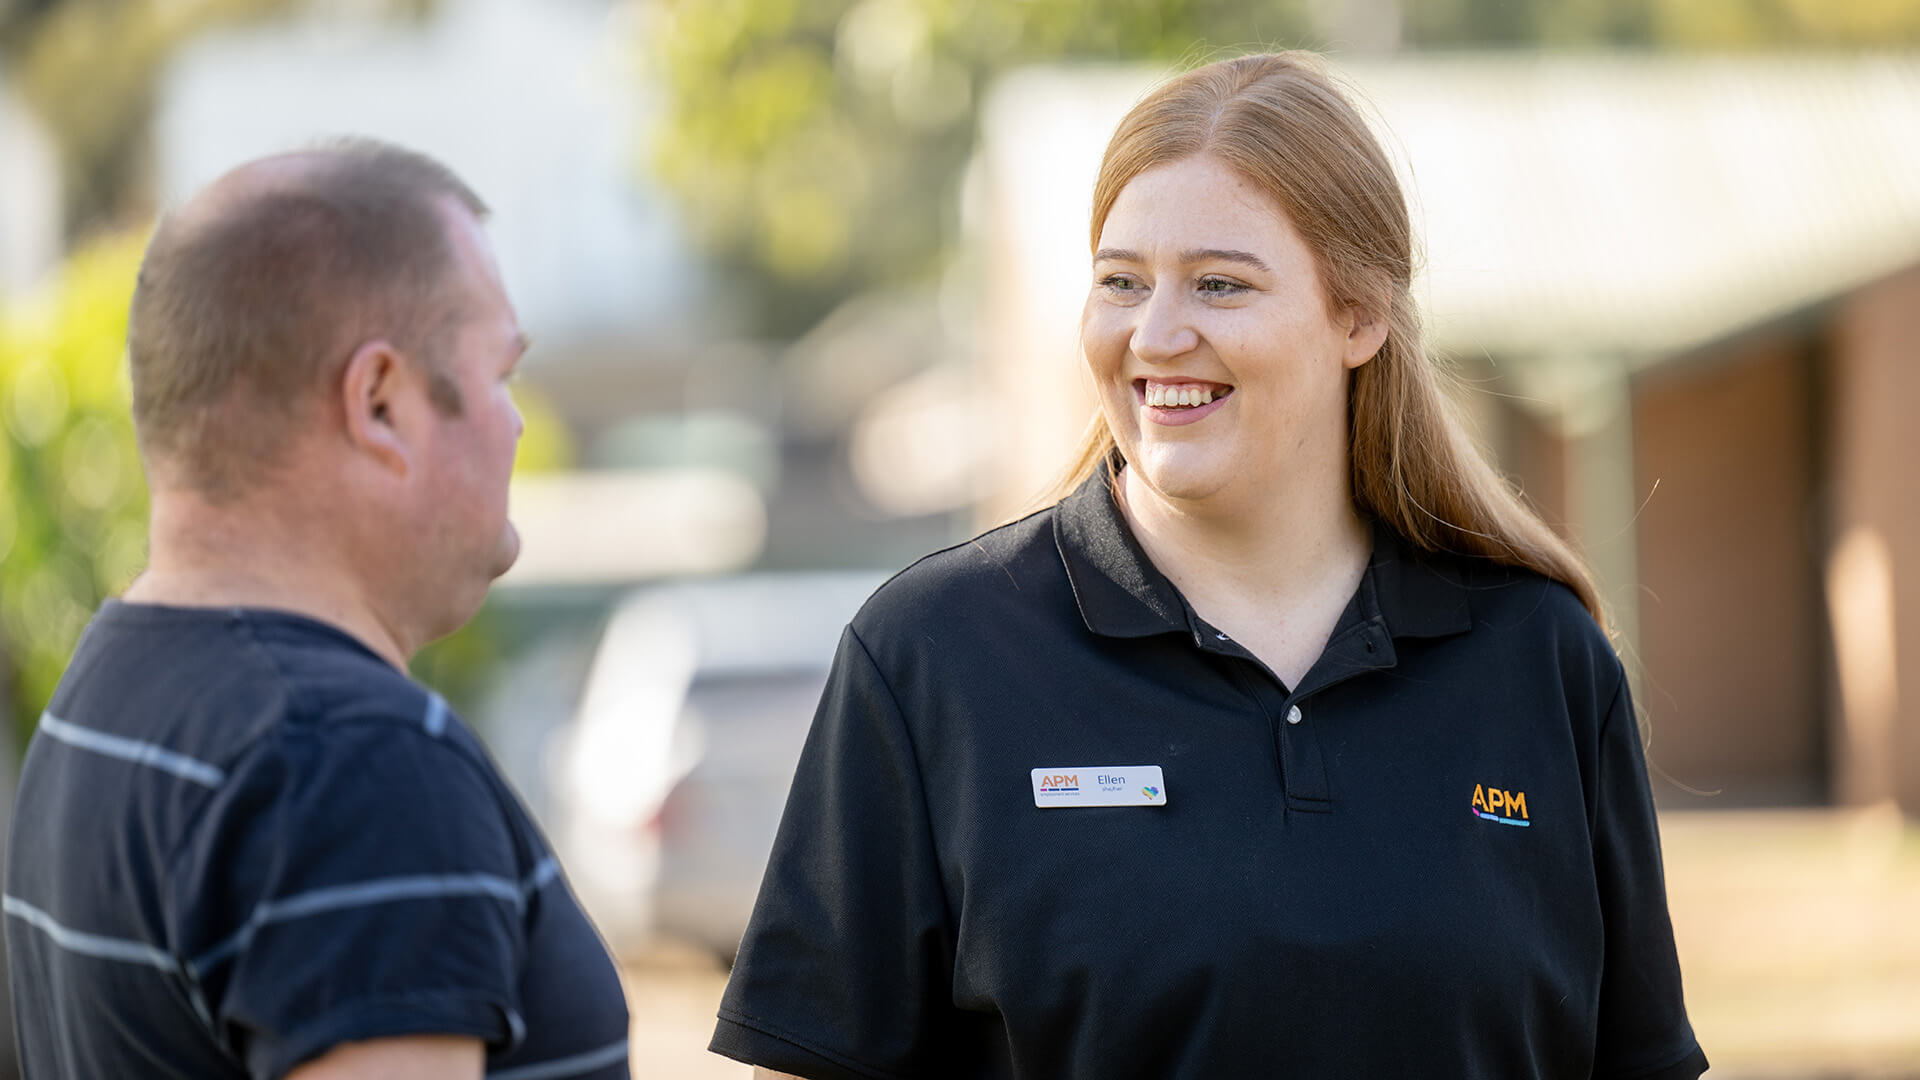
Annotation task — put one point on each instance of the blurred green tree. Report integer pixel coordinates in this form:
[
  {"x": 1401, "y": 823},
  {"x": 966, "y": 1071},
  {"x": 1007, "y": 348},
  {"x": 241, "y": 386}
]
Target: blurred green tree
[
  {"x": 1716, "y": 25},
  {"x": 73, "y": 496},
  {"x": 817, "y": 144}
]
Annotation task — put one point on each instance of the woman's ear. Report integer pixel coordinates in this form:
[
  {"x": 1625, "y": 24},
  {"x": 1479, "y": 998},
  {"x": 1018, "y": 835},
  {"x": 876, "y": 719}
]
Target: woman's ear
[
  {"x": 1366, "y": 333},
  {"x": 380, "y": 413}
]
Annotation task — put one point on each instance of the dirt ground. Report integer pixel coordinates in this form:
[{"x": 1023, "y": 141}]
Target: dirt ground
[
  {"x": 672, "y": 999},
  {"x": 1799, "y": 936}
]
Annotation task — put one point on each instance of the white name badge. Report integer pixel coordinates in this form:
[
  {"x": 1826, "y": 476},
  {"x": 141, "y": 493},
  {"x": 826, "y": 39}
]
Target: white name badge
[{"x": 1099, "y": 785}]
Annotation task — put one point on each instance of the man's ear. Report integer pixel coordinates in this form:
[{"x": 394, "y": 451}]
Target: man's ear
[
  {"x": 1366, "y": 333},
  {"x": 380, "y": 405}
]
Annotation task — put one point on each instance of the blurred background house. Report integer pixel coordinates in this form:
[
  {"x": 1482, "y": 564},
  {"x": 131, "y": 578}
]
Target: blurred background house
[{"x": 804, "y": 280}]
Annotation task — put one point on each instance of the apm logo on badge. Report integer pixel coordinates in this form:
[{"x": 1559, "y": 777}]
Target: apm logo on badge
[{"x": 1059, "y": 783}]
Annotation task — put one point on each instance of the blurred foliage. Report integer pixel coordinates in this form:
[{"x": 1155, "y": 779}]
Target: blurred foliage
[
  {"x": 1716, "y": 25},
  {"x": 817, "y": 145},
  {"x": 89, "y": 70},
  {"x": 73, "y": 496}
]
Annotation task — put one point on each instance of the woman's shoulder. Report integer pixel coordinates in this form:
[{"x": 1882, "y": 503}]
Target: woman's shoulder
[
  {"x": 1529, "y": 611},
  {"x": 1527, "y": 639},
  {"x": 1003, "y": 570}
]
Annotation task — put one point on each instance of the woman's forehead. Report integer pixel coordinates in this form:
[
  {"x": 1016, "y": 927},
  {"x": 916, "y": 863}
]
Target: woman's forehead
[{"x": 1196, "y": 204}]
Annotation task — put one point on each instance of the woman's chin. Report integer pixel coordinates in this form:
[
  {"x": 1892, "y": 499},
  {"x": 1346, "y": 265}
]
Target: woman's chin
[{"x": 1180, "y": 475}]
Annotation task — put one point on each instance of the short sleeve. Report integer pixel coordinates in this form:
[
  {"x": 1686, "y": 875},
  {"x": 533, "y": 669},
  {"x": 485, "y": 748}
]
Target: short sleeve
[
  {"x": 354, "y": 879},
  {"x": 1643, "y": 1032},
  {"x": 846, "y": 966}
]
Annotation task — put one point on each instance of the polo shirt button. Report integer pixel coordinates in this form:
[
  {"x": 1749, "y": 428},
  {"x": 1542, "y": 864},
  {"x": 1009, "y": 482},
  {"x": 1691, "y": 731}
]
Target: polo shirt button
[{"x": 1293, "y": 715}]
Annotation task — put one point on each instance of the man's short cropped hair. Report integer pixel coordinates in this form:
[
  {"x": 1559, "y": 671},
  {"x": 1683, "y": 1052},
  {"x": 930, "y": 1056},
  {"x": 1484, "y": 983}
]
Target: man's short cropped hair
[{"x": 245, "y": 308}]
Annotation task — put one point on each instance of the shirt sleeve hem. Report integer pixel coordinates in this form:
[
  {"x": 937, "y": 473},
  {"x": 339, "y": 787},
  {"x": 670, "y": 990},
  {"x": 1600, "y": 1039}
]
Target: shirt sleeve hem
[
  {"x": 1688, "y": 1065},
  {"x": 755, "y": 1042},
  {"x": 394, "y": 1016}
]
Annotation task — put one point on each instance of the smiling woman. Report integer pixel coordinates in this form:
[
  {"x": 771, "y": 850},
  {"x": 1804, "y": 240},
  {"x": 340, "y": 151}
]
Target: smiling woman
[
  {"x": 1286, "y": 742},
  {"x": 1267, "y": 150}
]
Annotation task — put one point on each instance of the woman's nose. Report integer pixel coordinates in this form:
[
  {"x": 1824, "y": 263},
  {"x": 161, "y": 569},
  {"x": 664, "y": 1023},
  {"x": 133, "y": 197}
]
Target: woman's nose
[{"x": 1164, "y": 329}]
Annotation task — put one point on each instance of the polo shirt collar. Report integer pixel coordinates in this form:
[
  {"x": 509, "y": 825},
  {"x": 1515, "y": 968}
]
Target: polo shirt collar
[
  {"x": 1122, "y": 594},
  {"x": 1119, "y": 590}
]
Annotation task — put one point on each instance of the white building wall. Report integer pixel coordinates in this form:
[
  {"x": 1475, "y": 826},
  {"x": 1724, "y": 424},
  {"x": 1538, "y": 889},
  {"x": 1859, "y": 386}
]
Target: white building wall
[
  {"x": 536, "y": 105},
  {"x": 30, "y": 221}
]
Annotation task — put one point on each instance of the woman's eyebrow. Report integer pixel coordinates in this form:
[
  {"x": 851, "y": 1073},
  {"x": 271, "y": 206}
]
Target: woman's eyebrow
[
  {"x": 1245, "y": 258},
  {"x": 1189, "y": 257}
]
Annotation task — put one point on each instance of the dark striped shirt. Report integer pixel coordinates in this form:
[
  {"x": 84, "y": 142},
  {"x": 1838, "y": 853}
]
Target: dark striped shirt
[{"x": 241, "y": 838}]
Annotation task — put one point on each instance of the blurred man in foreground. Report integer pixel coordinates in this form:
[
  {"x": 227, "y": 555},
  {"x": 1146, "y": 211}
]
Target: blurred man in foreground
[{"x": 246, "y": 843}]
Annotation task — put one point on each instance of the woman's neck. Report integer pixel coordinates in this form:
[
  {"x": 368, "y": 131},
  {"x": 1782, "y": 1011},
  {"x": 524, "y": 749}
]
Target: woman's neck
[
  {"x": 1274, "y": 569},
  {"x": 1272, "y": 541}
]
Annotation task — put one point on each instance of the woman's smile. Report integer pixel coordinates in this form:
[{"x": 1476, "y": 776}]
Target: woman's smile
[{"x": 1174, "y": 402}]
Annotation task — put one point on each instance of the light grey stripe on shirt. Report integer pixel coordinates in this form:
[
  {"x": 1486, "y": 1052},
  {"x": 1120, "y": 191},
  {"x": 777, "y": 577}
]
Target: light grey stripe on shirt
[
  {"x": 377, "y": 891},
  {"x": 548, "y": 869},
  {"x": 134, "y": 750},
  {"x": 436, "y": 721},
  {"x": 79, "y": 941},
  {"x": 566, "y": 1066}
]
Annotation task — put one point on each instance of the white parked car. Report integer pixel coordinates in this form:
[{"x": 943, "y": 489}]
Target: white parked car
[{"x": 667, "y": 787}]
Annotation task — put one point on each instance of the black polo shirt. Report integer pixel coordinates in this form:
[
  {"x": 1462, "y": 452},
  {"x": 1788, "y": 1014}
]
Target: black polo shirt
[{"x": 1436, "y": 856}]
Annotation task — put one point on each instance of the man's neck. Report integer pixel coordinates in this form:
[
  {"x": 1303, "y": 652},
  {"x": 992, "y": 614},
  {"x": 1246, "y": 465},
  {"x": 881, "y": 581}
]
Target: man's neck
[{"x": 203, "y": 555}]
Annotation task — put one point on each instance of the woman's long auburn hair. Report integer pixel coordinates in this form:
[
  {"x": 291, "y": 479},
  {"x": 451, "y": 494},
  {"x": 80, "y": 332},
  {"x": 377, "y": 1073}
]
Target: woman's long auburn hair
[{"x": 1279, "y": 120}]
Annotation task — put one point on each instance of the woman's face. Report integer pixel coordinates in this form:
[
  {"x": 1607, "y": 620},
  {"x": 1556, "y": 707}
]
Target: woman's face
[{"x": 1216, "y": 360}]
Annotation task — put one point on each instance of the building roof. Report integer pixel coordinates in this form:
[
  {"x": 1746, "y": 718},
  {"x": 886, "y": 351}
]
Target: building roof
[{"x": 1634, "y": 205}]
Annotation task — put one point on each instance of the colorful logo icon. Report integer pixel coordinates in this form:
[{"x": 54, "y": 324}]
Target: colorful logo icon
[{"x": 1151, "y": 792}]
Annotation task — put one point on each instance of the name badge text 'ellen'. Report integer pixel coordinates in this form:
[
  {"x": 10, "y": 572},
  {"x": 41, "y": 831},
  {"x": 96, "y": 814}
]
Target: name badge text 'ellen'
[{"x": 1099, "y": 785}]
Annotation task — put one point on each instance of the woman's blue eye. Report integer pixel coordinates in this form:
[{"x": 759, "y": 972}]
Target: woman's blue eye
[
  {"x": 1220, "y": 286},
  {"x": 1119, "y": 283}
]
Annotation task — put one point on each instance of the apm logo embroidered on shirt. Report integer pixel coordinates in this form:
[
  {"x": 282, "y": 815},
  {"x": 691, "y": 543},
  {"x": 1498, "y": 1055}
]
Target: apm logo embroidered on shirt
[{"x": 1497, "y": 804}]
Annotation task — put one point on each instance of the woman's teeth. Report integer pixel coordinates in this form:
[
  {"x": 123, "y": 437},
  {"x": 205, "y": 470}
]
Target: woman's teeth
[{"x": 1178, "y": 396}]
